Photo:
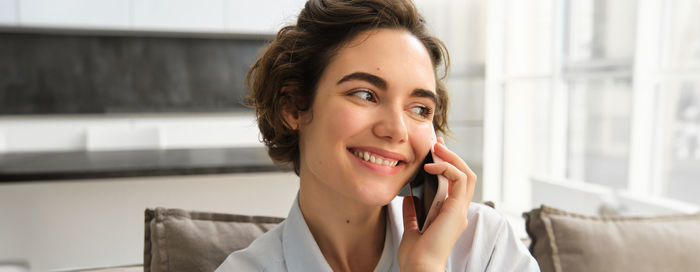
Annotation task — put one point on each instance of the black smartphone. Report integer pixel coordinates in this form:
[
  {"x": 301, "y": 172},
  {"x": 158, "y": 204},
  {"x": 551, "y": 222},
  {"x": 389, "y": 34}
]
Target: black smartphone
[{"x": 428, "y": 191}]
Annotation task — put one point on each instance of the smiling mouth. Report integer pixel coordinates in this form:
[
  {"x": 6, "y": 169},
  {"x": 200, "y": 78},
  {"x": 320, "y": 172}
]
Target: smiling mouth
[{"x": 374, "y": 158}]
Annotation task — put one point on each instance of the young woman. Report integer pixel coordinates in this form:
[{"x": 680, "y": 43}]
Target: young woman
[{"x": 351, "y": 98}]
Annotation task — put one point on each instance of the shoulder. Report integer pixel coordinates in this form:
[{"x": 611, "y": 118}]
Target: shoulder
[
  {"x": 263, "y": 254},
  {"x": 489, "y": 244},
  {"x": 483, "y": 216},
  {"x": 485, "y": 227}
]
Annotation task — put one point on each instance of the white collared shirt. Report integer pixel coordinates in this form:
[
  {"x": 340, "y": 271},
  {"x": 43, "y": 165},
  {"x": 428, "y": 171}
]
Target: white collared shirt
[{"x": 488, "y": 244}]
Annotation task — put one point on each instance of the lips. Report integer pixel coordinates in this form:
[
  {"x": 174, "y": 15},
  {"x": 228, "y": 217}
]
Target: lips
[
  {"x": 374, "y": 158},
  {"x": 377, "y": 156}
]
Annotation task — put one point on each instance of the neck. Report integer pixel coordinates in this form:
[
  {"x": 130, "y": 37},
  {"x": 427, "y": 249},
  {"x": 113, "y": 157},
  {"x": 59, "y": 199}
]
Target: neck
[{"x": 344, "y": 229}]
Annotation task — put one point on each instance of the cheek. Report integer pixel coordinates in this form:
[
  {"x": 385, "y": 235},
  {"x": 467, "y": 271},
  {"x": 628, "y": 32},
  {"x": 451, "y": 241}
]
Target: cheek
[
  {"x": 346, "y": 120},
  {"x": 330, "y": 126},
  {"x": 422, "y": 137}
]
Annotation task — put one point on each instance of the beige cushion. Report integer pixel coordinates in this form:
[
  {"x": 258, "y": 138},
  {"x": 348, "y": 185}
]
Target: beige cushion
[
  {"x": 563, "y": 241},
  {"x": 178, "y": 240}
]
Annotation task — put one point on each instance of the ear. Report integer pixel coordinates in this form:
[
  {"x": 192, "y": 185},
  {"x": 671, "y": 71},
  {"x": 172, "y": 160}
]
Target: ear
[
  {"x": 291, "y": 118},
  {"x": 291, "y": 114}
]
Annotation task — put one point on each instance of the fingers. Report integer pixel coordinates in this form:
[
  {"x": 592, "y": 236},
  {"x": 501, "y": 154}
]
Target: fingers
[
  {"x": 409, "y": 214},
  {"x": 458, "y": 179},
  {"x": 461, "y": 167},
  {"x": 449, "y": 156},
  {"x": 454, "y": 159},
  {"x": 410, "y": 223}
]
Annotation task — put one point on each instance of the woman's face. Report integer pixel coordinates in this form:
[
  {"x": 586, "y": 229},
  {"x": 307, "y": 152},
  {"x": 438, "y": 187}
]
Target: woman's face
[{"x": 370, "y": 125}]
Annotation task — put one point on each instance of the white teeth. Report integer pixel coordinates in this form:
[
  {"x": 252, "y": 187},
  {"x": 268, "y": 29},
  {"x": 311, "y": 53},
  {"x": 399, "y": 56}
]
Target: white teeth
[{"x": 371, "y": 158}]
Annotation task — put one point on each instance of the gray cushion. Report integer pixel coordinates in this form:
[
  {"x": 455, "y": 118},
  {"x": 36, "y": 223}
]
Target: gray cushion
[
  {"x": 178, "y": 240},
  {"x": 563, "y": 241}
]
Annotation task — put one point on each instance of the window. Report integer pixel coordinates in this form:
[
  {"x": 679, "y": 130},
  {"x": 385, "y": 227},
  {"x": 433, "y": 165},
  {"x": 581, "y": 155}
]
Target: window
[
  {"x": 679, "y": 115},
  {"x": 593, "y": 104}
]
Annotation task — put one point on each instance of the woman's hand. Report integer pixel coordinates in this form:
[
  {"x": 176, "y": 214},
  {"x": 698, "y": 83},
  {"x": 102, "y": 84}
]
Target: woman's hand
[{"x": 429, "y": 251}]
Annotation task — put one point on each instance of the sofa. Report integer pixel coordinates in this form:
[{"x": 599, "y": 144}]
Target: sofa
[
  {"x": 178, "y": 240},
  {"x": 564, "y": 241}
]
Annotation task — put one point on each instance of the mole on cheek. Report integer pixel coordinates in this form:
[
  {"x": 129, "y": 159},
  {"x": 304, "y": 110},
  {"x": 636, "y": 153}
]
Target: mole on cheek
[{"x": 347, "y": 221}]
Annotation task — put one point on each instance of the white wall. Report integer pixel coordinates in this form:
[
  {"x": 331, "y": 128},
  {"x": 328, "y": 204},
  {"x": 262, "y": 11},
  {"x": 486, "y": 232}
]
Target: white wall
[
  {"x": 237, "y": 16},
  {"x": 93, "y": 223}
]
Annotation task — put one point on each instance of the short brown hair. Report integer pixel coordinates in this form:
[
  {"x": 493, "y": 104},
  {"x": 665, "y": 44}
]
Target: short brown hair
[{"x": 298, "y": 55}]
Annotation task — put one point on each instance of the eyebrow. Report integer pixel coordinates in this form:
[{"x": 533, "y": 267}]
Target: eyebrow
[
  {"x": 372, "y": 79},
  {"x": 425, "y": 93},
  {"x": 381, "y": 83}
]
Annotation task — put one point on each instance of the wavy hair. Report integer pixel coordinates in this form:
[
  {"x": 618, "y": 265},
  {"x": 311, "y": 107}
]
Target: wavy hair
[{"x": 285, "y": 76}]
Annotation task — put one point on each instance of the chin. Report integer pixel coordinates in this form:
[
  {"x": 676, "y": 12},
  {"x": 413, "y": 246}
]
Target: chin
[{"x": 377, "y": 196}]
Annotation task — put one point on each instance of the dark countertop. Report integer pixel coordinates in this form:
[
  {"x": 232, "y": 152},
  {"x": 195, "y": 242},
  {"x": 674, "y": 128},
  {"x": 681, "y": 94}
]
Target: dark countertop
[{"x": 41, "y": 166}]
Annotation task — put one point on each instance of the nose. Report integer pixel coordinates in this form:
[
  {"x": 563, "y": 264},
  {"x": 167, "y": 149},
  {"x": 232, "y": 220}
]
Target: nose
[{"x": 391, "y": 125}]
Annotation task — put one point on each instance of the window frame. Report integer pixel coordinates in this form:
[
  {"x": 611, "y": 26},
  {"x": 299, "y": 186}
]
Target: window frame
[{"x": 645, "y": 183}]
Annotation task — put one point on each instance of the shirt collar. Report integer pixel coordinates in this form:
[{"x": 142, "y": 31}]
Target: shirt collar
[
  {"x": 303, "y": 254},
  {"x": 395, "y": 229}
]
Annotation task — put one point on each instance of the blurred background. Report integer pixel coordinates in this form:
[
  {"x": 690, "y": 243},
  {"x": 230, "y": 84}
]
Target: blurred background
[{"x": 108, "y": 107}]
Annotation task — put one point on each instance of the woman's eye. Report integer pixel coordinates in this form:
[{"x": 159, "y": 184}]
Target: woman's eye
[
  {"x": 365, "y": 95},
  {"x": 423, "y": 111}
]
